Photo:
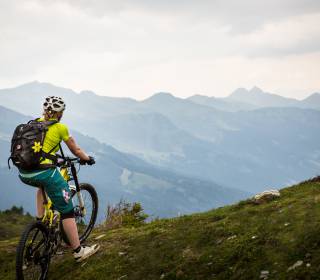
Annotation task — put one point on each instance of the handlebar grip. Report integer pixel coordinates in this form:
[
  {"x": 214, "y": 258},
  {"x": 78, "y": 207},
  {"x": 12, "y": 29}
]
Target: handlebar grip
[{"x": 91, "y": 161}]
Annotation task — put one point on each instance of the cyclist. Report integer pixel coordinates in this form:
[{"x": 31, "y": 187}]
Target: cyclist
[{"x": 50, "y": 178}]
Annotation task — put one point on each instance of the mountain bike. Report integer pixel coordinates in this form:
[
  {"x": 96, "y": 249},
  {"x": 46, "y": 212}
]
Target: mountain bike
[{"x": 41, "y": 239}]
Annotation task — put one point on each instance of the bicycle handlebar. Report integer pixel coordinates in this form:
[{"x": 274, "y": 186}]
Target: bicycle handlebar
[
  {"x": 62, "y": 160},
  {"x": 66, "y": 160},
  {"x": 72, "y": 159},
  {"x": 69, "y": 160}
]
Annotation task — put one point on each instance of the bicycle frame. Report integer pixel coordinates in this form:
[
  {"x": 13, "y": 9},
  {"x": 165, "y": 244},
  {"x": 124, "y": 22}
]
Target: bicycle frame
[{"x": 48, "y": 212}]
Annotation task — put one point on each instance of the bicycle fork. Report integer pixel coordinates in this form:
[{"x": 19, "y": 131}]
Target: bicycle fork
[{"x": 79, "y": 195}]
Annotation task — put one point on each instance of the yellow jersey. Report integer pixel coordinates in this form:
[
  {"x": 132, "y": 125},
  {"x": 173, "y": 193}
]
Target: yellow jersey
[{"x": 55, "y": 134}]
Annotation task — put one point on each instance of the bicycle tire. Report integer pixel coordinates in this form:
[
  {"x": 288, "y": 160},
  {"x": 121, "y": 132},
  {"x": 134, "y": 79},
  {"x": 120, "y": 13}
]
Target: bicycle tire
[
  {"x": 43, "y": 259},
  {"x": 93, "y": 215}
]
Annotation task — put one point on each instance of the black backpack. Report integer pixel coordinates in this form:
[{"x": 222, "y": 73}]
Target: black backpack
[{"x": 26, "y": 145}]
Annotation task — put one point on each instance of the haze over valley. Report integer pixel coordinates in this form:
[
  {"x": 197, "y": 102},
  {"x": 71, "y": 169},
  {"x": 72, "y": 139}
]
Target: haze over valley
[{"x": 176, "y": 155}]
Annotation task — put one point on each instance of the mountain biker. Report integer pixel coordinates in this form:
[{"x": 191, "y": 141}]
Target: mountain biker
[{"x": 51, "y": 179}]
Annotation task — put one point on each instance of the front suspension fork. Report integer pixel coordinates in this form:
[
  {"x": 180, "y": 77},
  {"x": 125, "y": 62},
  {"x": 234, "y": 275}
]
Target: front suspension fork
[{"x": 80, "y": 198}]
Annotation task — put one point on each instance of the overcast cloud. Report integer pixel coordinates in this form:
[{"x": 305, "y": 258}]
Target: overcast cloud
[{"x": 136, "y": 48}]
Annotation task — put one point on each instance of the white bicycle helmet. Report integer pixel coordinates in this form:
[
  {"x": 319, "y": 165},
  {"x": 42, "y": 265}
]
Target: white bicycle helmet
[{"x": 54, "y": 103}]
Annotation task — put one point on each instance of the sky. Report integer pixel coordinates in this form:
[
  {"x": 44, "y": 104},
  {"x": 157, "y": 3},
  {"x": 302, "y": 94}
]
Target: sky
[{"x": 135, "y": 48}]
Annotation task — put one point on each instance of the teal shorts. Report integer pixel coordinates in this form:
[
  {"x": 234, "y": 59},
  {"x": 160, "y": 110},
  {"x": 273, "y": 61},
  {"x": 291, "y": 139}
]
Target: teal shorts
[{"x": 54, "y": 185}]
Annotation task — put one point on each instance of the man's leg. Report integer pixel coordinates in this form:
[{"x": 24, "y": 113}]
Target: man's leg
[
  {"x": 70, "y": 228},
  {"x": 69, "y": 224},
  {"x": 40, "y": 201},
  {"x": 59, "y": 192},
  {"x": 32, "y": 179}
]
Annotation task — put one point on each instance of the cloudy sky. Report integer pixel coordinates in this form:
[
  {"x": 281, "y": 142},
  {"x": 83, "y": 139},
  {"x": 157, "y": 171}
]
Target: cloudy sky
[{"x": 138, "y": 47}]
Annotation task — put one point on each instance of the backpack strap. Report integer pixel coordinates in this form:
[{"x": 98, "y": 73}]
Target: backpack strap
[
  {"x": 46, "y": 123},
  {"x": 48, "y": 155},
  {"x": 62, "y": 153}
]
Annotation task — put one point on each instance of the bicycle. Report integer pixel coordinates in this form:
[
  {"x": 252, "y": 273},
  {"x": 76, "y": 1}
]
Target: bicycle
[{"x": 41, "y": 239}]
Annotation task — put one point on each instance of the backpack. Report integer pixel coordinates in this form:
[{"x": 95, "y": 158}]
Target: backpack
[{"x": 26, "y": 145}]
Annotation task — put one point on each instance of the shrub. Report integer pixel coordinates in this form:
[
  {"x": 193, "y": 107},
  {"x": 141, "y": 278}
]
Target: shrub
[
  {"x": 125, "y": 214},
  {"x": 14, "y": 210}
]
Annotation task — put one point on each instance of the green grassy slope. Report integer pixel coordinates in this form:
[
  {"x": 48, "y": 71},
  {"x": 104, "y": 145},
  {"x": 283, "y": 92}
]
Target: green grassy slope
[
  {"x": 233, "y": 242},
  {"x": 12, "y": 222}
]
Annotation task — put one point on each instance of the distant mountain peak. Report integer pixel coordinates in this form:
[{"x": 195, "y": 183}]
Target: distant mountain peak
[
  {"x": 35, "y": 82},
  {"x": 312, "y": 99},
  {"x": 256, "y": 90},
  {"x": 202, "y": 96},
  {"x": 245, "y": 92},
  {"x": 257, "y": 97},
  {"x": 161, "y": 96},
  {"x": 238, "y": 93},
  {"x": 163, "y": 93},
  {"x": 314, "y": 95},
  {"x": 197, "y": 95},
  {"x": 31, "y": 84},
  {"x": 41, "y": 88}
]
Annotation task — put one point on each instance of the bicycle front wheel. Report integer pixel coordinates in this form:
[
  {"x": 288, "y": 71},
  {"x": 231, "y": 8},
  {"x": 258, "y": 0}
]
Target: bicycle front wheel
[
  {"x": 33, "y": 257},
  {"x": 85, "y": 218}
]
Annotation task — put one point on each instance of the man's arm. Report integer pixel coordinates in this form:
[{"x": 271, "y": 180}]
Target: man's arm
[{"x": 76, "y": 150}]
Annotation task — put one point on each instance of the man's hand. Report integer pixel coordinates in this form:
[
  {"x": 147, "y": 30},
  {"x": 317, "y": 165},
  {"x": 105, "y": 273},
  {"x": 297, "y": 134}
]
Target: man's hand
[{"x": 91, "y": 161}]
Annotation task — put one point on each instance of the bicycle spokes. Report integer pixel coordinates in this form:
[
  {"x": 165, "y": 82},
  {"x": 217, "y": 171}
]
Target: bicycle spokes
[
  {"x": 82, "y": 218},
  {"x": 35, "y": 258}
]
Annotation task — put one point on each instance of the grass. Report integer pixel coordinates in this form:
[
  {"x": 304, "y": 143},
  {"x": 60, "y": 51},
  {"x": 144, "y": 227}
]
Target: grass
[
  {"x": 12, "y": 222},
  {"x": 232, "y": 242}
]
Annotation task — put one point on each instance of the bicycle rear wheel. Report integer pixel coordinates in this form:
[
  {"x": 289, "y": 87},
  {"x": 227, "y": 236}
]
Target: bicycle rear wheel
[
  {"x": 85, "y": 220},
  {"x": 33, "y": 258}
]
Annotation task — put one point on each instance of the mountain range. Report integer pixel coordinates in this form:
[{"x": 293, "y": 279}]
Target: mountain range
[
  {"x": 251, "y": 147},
  {"x": 117, "y": 176},
  {"x": 243, "y": 99}
]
